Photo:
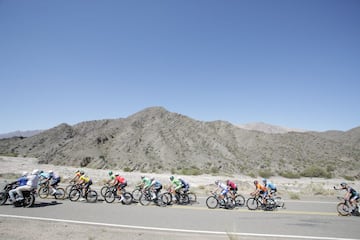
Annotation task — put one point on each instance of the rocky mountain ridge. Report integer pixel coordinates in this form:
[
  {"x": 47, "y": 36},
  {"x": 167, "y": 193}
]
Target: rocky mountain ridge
[{"x": 156, "y": 140}]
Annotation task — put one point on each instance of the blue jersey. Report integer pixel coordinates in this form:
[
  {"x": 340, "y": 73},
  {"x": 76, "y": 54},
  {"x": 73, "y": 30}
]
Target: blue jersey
[
  {"x": 22, "y": 181},
  {"x": 270, "y": 185}
]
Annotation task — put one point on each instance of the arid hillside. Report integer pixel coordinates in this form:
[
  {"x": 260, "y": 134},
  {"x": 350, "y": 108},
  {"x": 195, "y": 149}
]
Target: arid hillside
[{"x": 156, "y": 140}]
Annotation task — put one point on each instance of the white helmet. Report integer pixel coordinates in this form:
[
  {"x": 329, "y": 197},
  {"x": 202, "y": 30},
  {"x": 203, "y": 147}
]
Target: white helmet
[
  {"x": 24, "y": 174},
  {"x": 51, "y": 171},
  {"x": 35, "y": 172}
]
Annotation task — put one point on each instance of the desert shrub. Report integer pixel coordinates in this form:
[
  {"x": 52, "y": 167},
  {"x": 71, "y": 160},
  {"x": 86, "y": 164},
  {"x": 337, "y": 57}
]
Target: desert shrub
[
  {"x": 289, "y": 174},
  {"x": 294, "y": 196},
  {"x": 265, "y": 173},
  {"x": 349, "y": 178},
  {"x": 127, "y": 169},
  {"x": 191, "y": 171},
  {"x": 314, "y": 171},
  {"x": 251, "y": 174}
]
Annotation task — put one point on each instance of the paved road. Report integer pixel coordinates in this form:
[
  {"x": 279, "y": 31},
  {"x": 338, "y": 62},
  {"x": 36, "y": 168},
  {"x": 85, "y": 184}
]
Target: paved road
[{"x": 300, "y": 220}]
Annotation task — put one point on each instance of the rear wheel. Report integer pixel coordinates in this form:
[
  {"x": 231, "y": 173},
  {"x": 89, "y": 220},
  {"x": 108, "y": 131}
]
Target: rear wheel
[
  {"x": 91, "y": 196},
  {"x": 60, "y": 194},
  {"x": 136, "y": 194},
  {"x": 29, "y": 200},
  {"x": 127, "y": 198},
  {"x": 279, "y": 202},
  {"x": 343, "y": 209},
  {"x": 192, "y": 197},
  {"x": 252, "y": 203},
  {"x": 239, "y": 200},
  {"x": 167, "y": 197},
  {"x": 43, "y": 192},
  {"x": 212, "y": 202}
]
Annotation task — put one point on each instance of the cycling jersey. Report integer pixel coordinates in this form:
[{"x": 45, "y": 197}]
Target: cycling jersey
[
  {"x": 84, "y": 178},
  {"x": 22, "y": 181},
  {"x": 232, "y": 185},
  {"x": 177, "y": 183},
  {"x": 147, "y": 182},
  {"x": 270, "y": 185},
  {"x": 260, "y": 187},
  {"x": 120, "y": 179}
]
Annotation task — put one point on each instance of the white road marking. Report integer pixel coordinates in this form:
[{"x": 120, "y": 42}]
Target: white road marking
[{"x": 176, "y": 230}]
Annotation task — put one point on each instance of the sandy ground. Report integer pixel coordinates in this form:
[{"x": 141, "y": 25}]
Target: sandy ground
[{"x": 10, "y": 168}]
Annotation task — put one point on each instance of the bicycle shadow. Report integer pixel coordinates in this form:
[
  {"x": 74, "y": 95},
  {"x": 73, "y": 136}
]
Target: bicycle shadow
[{"x": 45, "y": 204}]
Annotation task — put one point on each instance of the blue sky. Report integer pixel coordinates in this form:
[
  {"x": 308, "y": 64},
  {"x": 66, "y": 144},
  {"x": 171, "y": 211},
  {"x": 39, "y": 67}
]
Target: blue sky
[{"x": 289, "y": 63}]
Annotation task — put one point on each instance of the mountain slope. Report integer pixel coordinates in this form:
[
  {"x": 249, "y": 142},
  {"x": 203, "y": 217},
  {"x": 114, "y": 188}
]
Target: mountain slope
[{"x": 158, "y": 140}]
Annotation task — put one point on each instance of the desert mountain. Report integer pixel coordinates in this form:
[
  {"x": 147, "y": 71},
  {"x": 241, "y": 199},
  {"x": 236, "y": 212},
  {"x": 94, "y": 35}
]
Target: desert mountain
[
  {"x": 268, "y": 128},
  {"x": 156, "y": 140}
]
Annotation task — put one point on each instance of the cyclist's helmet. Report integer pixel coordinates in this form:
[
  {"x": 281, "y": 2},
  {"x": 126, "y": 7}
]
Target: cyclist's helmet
[
  {"x": 264, "y": 180},
  {"x": 82, "y": 172},
  {"x": 343, "y": 184},
  {"x": 51, "y": 171},
  {"x": 172, "y": 178},
  {"x": 142, "y": 177},
  {"x": 152, "y": 179},
  {"x": 35, "y": 172},
  {"x": 256, "y": 182},
  {"x": 110, "y": 173},
  {"x": 116, "y": 174}
]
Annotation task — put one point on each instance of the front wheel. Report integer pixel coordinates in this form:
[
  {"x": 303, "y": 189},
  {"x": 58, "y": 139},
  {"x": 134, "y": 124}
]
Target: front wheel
[
  {"x": 212, "y": 202},
  {"x": 252, "y": 203},
  {"x": 192, "y": 197},
  {"x": 3, "y": 198},
  {"x": 74, "y": 195},
  {"x": 136, "y": 194},
  {"x": 145, "y": 199},
  {"x": 60, "y": 193},
  {"x": 109, "y": 196},
  {"x": 103, "y": 190},
  {"x": 343, "y": 209}
]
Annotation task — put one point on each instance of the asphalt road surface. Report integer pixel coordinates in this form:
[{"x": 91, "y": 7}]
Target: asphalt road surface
[{"x": 300, "y": 220}]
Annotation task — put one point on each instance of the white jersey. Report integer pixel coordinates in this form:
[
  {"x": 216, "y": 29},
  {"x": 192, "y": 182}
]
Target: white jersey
[{"x": 32, "y": 180}]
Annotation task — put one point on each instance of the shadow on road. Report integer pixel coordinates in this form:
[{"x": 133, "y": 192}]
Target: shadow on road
[{"x": 46, "y": 204}]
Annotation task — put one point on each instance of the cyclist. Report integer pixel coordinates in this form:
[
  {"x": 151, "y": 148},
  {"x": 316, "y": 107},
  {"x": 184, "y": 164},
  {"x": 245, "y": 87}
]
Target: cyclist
[
  {"x": 120, "y": 183},
  {"x": 75, "y": 179},
  {"x": 224, "y": 189},
  {"x": 351, "y": 194},
  {"x": 259, "y": 190},
  {"x": 85, "y": 180},
  {"x": 177, "y": 184},
  {"x": 157, "y": 186},
  {"x": 55, "y": 180},
  {"x": 232, "y": 187},
  {"x": 271, "y": 188},
  {"x": 111, "y": 177}
]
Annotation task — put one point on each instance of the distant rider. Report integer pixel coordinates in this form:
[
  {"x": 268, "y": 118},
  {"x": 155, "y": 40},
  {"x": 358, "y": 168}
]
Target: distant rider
[{"x": 351, "y": 194}]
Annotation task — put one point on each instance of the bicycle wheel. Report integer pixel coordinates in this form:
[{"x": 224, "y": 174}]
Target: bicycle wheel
[
  {"x": 74, "y": 195},
  {"x": 212, "y": 202},
  {"x": 239, "y": 200},
  {"x": 109, "y": 196},
  {"x": 167, "y": 197},
  {"x": 252, "y": 203},
  {"x": 3, "y": 198},
  {"x": 192, "y": 197},
  {"x": 279, "y": 202},
  {"x": 184, "y": 199},
  {"x": 103, "y": 190},
  {"x": 68, "y": 188},
  {"x": 163, "y": 200},
  {"x": 43, "y": 192},
  {"x": 145, "y": 199},
  {"x": 91, "y": 196},
  {"x": 136, "y": 194},
  {"x": 343, "y": 209},
  {"x": 29, "y": 201},
  {"x": 60, "y": 193},
  {"x": 230, "y": 203},
  {"x": 128, "y": 198}
]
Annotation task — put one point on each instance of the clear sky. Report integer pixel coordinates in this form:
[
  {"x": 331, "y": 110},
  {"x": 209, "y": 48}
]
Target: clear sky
[{"x": 289, "y": 63}]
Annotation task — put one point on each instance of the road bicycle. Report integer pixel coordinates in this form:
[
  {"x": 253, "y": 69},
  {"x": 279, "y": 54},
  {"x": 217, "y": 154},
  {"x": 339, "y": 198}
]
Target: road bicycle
[
  {"x": 147, "y": 196},
  {"x": 181, "y": 198},
  {"x": 344, "y": 208},
  {"x": 112, "y": 193},
  {"x": 79, "y": 191},
  {"x": 44, "y": 191},
  {"x": 256, "y": 202},
  {"x": 214, "y": 201}
]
